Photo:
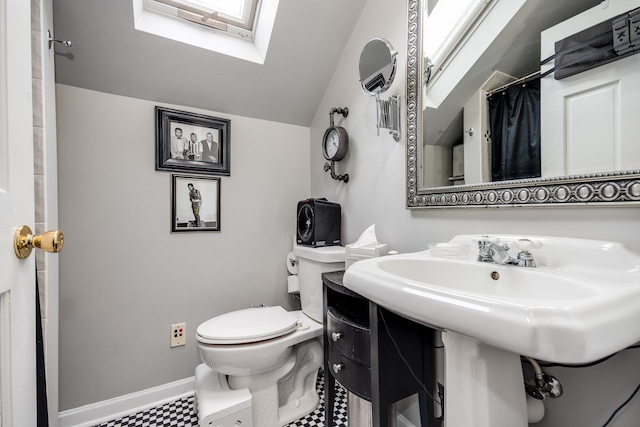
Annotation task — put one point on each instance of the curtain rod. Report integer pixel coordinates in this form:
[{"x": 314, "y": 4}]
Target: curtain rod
[{"x": 515, "y": 82}]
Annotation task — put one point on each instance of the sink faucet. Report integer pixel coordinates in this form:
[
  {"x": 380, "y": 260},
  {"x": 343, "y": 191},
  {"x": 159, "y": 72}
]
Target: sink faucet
[{"x": 490, "y": 251}]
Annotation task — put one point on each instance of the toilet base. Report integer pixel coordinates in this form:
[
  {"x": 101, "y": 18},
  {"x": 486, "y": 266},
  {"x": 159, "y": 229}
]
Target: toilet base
[
  {"x": 275, "y": 398},
  {"x": 216, "y": 404}
]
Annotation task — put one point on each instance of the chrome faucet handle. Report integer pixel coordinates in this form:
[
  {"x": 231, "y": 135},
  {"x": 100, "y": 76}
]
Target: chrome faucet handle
[
  {"x": 526, "y": 244},
  {"x": 484, "y": 243},
  {"x": 484, "y": 248},
  {"x": 525, "y": 259},
  {"x": 488, "y": 239}
]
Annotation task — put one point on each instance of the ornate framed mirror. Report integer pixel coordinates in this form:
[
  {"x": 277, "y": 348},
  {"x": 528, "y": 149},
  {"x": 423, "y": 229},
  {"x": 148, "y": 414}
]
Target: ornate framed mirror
[{"x": 597, "y": 187}]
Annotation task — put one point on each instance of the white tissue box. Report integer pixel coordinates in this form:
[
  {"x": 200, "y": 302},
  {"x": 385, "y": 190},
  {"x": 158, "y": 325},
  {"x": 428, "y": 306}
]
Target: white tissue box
[{"x": 367, "y": 251}]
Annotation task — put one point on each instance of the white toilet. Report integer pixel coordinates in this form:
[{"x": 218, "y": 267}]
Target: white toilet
[{"x": 261, "y": 364}]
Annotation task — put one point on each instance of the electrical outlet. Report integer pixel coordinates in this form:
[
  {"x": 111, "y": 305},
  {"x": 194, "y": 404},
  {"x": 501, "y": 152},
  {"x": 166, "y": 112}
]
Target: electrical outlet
[{"x": 178, "y": 336}]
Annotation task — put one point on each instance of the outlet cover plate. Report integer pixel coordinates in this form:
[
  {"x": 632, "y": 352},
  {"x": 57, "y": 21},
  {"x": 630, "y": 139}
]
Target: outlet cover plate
[{"x": 178, "y": 334}]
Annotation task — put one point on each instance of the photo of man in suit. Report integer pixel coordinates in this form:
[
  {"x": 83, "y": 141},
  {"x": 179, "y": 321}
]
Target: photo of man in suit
[
  {"x": 196, "y": 201},
  {"x": 209, "y": 149},
  {"x": 177, "y": 144}
]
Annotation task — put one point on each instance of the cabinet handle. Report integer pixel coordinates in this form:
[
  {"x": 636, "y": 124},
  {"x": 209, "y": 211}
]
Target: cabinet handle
[
  {"x": 335, "y": 336},
  {"x": 337, "y": 367}
]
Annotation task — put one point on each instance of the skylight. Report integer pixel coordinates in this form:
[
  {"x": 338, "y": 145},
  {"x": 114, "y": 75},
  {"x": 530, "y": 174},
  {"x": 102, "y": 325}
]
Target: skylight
[
  {"x": 239, "y": 28},
  {"x": 233, "y": 8},
  {"x": 237, "y": 17}
]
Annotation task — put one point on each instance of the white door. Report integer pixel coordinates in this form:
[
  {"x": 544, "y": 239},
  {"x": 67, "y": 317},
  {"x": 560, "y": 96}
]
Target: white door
[
  {"x": 17, "y": 276},
  {"x": 590, "y": 120}
]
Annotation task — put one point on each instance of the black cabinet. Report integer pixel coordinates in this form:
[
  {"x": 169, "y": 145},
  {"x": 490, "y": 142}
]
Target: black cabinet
[{"x": 375, "y": 354}]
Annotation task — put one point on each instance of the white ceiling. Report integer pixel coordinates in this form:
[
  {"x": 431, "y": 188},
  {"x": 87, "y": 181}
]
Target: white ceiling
[{"x": 108, "y": 55}]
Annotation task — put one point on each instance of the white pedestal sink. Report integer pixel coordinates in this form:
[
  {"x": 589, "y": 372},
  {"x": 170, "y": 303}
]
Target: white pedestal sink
[{"x": 578, "y": 305}]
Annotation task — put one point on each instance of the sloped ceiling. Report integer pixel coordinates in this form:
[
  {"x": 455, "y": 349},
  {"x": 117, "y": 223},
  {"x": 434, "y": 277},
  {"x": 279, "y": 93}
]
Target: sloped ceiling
[{"x": 109, "y": 55}]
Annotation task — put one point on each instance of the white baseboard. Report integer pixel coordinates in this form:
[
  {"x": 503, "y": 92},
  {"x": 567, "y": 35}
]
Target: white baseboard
[{"x": 100, "y": 412}]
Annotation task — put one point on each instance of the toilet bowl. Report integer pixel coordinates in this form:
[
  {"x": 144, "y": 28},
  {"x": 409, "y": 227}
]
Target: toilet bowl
[
  {"x": 272, "y": 354},
  {"x": 260, "y": 355}
]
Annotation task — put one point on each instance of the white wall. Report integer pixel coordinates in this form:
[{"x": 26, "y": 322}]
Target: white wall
[
  {"x": 375, "y": 194},
  {"x": 124, "y": 278}
]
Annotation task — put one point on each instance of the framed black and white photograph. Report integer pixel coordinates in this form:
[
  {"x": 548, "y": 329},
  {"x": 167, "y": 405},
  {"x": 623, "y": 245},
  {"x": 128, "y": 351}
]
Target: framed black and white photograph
[
  {"x": 195, "y": 203},
  {"x": 190, "y": 142}
]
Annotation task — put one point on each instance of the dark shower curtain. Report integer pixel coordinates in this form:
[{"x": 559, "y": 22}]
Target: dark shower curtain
[{"x": 514, "y": 118}]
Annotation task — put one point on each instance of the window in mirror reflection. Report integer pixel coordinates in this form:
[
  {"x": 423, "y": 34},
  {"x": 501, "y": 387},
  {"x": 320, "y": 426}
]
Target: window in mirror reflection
[{"x": 446, "y": 23}]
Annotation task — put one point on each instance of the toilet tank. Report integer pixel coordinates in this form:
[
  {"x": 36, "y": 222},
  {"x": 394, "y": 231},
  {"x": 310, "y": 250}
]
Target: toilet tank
[{"x": 312, "y": 262}]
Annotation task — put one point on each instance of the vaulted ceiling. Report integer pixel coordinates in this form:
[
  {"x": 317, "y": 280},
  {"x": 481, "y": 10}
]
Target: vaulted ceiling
[{"x": 109, "y": 55}]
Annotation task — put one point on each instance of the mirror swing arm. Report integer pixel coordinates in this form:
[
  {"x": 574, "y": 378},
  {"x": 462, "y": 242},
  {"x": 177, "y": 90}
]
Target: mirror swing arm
[
  {"x": 388, "y": 115},
  {"x": 604, "y": 188}
]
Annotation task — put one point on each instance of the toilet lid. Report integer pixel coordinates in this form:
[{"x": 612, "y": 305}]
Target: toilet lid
[{"x": 246, "y": 326}]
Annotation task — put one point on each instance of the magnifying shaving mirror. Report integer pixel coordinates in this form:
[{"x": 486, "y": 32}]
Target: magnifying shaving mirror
[{"x": 377, "y": 70}]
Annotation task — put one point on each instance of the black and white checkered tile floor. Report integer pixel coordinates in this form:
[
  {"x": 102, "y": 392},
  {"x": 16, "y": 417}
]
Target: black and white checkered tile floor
[{"x": 180, "y": 413}]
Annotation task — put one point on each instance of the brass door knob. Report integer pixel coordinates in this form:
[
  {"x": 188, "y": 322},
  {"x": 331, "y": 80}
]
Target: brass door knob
[{"x": 24, "y": 241}]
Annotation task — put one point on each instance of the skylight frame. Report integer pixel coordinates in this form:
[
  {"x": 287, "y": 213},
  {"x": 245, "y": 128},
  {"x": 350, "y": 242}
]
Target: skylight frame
[
  {"x": 191, "y": 11},
  {"x": 158, "y": 19}
]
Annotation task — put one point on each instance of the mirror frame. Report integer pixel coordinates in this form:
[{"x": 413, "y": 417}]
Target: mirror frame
[{"x": 612, "y": 188}]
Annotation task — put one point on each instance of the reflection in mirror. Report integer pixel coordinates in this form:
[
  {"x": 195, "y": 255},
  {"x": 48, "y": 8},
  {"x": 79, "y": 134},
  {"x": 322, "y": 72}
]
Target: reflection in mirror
[
  {"x": 461, "y": 154},
  {"x": 377, "y": 66},
  {"x": 506, "y": 142}
]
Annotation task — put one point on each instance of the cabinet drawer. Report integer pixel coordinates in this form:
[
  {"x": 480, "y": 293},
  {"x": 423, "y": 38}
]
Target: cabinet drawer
[
  {"x": 348, "y": 337},
  {"x": 352, "y": 375}
]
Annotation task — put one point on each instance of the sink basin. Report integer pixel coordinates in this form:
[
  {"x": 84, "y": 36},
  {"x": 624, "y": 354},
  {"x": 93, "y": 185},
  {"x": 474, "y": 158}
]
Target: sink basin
[
  {"x": 487, "y": 281},
  {"x": 581, "y": 302}
]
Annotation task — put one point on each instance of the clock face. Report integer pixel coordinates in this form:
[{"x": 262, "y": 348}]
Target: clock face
[
  {"x": 332, "y": 143},
  {"x": 335, "y": 143}
]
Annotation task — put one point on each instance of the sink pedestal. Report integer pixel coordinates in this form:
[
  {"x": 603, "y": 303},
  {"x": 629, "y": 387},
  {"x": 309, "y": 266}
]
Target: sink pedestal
[{"x": 484, "y": 386}]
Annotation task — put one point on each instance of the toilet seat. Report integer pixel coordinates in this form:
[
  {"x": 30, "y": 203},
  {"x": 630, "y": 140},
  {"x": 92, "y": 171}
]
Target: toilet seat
[{"x": 247, "y": 326}]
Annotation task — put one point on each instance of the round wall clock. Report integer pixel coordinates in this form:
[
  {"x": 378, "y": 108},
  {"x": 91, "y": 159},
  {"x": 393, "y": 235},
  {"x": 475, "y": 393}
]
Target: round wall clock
[{"x": 335, "y": 143}]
